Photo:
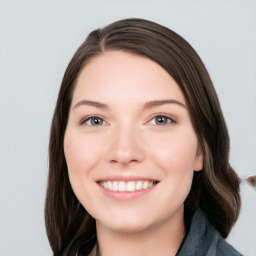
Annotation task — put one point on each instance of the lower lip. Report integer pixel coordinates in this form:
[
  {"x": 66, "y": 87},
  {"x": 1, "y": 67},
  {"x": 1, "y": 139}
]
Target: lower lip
[{"x": 129, "y": 195}]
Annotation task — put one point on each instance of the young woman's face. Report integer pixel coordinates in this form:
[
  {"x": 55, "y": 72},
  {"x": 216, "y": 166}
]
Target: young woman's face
[{"x": 130, "y": 147}]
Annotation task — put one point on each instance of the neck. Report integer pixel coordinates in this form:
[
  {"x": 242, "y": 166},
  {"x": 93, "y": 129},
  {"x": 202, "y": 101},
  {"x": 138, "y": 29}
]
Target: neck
[{"x": 164, "y": 239}]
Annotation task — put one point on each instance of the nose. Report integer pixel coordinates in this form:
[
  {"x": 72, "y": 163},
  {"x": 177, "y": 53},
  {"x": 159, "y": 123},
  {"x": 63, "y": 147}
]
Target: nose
[{"x": 125, "y": 146}]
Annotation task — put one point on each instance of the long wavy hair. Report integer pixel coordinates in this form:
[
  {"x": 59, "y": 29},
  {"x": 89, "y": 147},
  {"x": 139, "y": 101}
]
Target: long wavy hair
[{"x": 214, "y": 191}]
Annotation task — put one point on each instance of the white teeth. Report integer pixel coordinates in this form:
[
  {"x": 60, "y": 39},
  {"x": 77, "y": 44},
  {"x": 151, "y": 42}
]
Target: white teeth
[
  {"x": 139, "y": 185},
  {"x": 115, "y": 186},
  {"x": 122, "y": 186},
  {"x": 109, "y": 183},
  {"x": 129, "y": 186},
  {"x": 145, "y": 185},
  {"x": 105, "y": 185}
]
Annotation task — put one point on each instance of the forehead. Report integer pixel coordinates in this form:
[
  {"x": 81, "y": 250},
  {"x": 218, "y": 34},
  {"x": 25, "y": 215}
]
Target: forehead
[{"x": 119, "y": 75}]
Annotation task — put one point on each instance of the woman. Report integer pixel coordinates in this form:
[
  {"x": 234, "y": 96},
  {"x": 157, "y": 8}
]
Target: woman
[{"x": 138, "y": 154}]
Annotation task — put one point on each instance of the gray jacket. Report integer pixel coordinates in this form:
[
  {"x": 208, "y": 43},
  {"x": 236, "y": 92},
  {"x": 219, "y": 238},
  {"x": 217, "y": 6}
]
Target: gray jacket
[{"x": 203, "y": 240}]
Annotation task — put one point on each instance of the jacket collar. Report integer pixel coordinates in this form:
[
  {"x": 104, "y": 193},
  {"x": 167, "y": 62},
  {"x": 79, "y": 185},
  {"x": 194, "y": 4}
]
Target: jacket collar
[{"x": 201, "y": 239}]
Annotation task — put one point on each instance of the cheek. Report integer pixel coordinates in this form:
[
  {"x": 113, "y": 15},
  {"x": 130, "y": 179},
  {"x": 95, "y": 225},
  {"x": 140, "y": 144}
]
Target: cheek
[
  {"x": 81, "y": 155},
  {"x": 175, "y": 152},
  {"x": 175, "y": 156}
]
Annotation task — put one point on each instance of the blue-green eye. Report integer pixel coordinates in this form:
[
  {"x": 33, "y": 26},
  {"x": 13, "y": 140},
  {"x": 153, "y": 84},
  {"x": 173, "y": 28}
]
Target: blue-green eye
[
  {"x": 161, "y": 120},
  {"x": 93, "y": 121}
]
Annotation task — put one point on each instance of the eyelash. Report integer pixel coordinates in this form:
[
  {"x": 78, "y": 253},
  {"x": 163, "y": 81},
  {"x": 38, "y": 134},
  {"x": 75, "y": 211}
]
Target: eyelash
[
  {"x": 90, "y": 118},
  {"x": 169, "y": 120}
]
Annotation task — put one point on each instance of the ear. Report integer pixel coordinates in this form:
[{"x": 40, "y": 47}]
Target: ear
[{"x": 198, "y": 164}]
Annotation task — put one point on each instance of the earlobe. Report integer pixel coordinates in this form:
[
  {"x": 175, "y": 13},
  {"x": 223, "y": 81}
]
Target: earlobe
[{"x": 198, "y": 165}]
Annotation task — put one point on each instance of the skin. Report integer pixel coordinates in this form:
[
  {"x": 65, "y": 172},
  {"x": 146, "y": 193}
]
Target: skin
[{"x": 127, "y": 143}]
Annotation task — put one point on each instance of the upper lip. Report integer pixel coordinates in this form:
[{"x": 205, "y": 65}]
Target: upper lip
[{"x": 126, "y": 178}]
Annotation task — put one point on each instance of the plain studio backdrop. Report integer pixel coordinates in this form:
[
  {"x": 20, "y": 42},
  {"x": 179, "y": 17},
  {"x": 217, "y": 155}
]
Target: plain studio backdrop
[{"x": 37, "y": 40}]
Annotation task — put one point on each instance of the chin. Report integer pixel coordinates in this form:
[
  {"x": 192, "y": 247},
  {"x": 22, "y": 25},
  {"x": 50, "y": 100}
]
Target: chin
[
  {"x": 125, "y": 224},
  {"x": 126, "y": 227}
]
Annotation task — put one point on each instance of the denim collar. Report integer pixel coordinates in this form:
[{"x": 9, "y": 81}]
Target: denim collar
[{"x": 203, "y": 240}]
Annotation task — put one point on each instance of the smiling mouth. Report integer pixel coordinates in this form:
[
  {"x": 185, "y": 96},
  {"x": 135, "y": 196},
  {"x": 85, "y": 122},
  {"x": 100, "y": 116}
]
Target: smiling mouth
[{"x": 130, "y": 186}]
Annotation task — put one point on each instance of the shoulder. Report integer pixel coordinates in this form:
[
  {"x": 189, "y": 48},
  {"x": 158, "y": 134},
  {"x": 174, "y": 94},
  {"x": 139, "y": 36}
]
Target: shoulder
[
  {"x": 203, "y": 240},
  {"x": 224, "y": 248}
]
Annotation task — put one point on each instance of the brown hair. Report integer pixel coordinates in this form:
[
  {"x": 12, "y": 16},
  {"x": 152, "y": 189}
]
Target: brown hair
[{"x": 215, "y": 190}]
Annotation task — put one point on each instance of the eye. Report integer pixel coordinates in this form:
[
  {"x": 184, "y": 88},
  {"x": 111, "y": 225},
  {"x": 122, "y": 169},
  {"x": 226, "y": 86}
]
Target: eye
[
  {"x": 161, "y": 120},
  {"x": 93, "y": 121}
]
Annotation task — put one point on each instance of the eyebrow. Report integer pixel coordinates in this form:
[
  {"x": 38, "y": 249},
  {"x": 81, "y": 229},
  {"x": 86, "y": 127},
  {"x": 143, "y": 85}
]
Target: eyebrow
[
  {"x": 156, "y": 103},
  {"x": 147, "y": 105},
  {"x": 91, "y": 103}
]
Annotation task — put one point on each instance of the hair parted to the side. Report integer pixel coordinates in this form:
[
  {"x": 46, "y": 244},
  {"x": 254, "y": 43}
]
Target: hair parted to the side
[{"x": 215, "y": 190}]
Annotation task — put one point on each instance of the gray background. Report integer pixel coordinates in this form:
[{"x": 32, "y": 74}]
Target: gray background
[{"x": 37, "y": 40}]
